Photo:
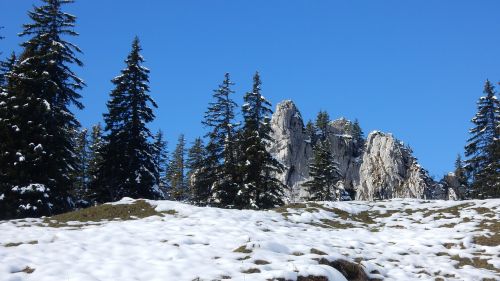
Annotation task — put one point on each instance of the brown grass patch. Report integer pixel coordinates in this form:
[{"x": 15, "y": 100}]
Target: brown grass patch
[
  {"x": 493, "y": 239},
  {"x": 137, "y": 210},
  {"x": 242, "y": 249},
  {"x": 335, "y": 224},
  {"x": 284, "y": 208},
  {"x": 454, "y": 210},
  {"x": 484, "y": 211},
  {"x": 475, "y": 262},
  {"x": 318, "y": 252}
]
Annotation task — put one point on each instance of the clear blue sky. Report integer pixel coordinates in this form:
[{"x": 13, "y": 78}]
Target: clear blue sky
[{"x": 413, "y": 68}]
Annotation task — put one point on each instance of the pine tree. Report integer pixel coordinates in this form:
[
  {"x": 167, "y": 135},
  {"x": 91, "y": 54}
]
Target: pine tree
[
  {"x": 95, "y": 148},
  {"x": 358, "y": 137},
  {"x": 310, "y": 131},
  {"x": 196, "y": 178},
  {"x": 7, "y": 206},
  {"x": 38, "y": 151},
  {"x": 6, "y": 68},
  {"x": 324, "y": 174},
  {"x": 260, "y": 188},
  {"x": 176, "y": 172},
  {"x": 128, "y": 164},
  {"x": 461, "y": 176},
  {"x": 80, "y": 173},
  {"x": 322, "y": 121},
  {"x": 483, "y": 147},
  {"x": 160, "y": 159},
  {"x": 220, "y": 163}
]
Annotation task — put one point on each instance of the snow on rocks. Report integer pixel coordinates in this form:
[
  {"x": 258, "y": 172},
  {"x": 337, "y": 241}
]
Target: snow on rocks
[{"x": 400, "y": 239}]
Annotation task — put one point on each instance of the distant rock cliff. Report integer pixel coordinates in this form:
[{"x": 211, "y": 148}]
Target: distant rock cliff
[
  {"x": 389, "y": 170},
  {"x": 380, "y": 168},
  {"x": 291, "y": 147}
]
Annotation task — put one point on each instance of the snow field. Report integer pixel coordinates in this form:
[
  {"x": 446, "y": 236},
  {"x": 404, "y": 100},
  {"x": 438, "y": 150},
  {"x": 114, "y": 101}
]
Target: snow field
[{"x": 400, "y": 239}]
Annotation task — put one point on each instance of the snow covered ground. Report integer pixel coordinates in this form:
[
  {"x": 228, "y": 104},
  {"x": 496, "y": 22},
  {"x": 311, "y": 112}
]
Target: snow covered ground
[{"x": 392, "y": 240}]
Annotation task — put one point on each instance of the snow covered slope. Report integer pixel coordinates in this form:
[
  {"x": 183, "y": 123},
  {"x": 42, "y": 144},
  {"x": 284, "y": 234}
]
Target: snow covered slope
[{"x": 391, "y": 240}]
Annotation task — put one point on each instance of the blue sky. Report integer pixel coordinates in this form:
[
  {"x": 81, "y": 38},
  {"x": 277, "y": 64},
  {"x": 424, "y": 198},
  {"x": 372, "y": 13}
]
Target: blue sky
[{"x": 413, "y": 68}]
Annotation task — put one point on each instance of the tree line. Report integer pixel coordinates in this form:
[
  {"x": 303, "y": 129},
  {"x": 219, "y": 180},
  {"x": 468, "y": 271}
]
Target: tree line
[{"x": 49, "y": 164}]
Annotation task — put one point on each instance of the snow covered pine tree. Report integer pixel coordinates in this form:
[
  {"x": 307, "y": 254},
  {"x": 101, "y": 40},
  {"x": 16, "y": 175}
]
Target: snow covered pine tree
[
  {"x": 220, "y": 164},
  {"x": 161, "y": 161},
  {"x": 198, "y": 186},
  {"x": 175, "y": 173},
  {"x": 95, "y": 149},
  {"x": 324, "y": 173},
  {"x": 128, "y": 164},
  {"x": 80, "y": 176},
  {"x": 37, "y": 137},
  {"x": 483, "y": 147},
  {"x": 260, "y": 188}
]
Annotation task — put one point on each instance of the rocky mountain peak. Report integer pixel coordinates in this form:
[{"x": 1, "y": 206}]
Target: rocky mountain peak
[
  {"x": 388, "y": 170},
  {"x": 384, "y": 168},
  {"x": 291, "y": 146}
]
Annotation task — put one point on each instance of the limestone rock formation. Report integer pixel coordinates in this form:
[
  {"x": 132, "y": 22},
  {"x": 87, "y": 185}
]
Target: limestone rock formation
[
  {"x": 291, "y": 147},
  {"x": 346, "y": 152},
  {"x": 380, "y": 168},
  {"x": 388, "y": 170}
]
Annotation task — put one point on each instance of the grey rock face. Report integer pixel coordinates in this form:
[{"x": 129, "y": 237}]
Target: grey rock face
[
  {"x": 344, "y": 149},
  {"x": 291, "y": 147},
  {"x": 450, "y": 188},
  {"x": 382, "y": 169},
  {"x": 455, "y": 190},
  {"x": 388, "y": 170}
]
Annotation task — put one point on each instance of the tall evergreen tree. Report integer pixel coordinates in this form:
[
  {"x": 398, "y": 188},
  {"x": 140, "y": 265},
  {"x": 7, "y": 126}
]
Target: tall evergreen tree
[
  {"x": 6, "y": 68},
  {"x": 260, "y": 187},
  {"x": 221, "y": 166},
  {"x": 7, "y": 208},
  {"x": 80, "y": 173},
  {"x": 160, "y": 159},
  {"x": 358, "y": 137},
  {"x": 483, "y": 147},
  {"x": 128, "y": 164},
  {"x": 324, "y": 173},
  {"x": 322, "y": 121},
  {"x": 38, "y": 151},
  {"x": 310, "y": 131},
  {"x": 461, "y": 176},
  {"x": 197, "y": 181},
  {"x": 95, "y": 149},
  {"x": 176, "y": 175}
]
